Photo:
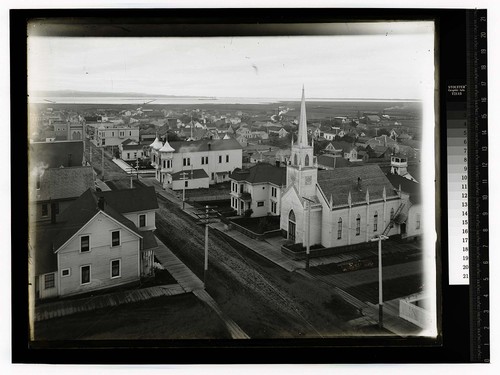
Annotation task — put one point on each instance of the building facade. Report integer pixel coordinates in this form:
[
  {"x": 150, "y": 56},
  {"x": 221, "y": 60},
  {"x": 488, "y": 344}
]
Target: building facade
[
  {"x": 114, "y": 135},
  {"x": 259, "y": 189},
  {"x": 93, "y": 245},
  {"x": 217, "y": 158},
  {"x": 339, "y": 207}
]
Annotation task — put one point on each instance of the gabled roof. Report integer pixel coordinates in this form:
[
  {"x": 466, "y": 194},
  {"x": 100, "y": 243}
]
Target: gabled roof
[
  {"x": 261, "y": 173},
  {"x": 128, "y": 141},
  {"x": 131, "y": 200},
  {"x": 414, "y": 171},
  {"x": 62, "y": 183},
  {"x": 407, "y": 186},
  {"x": 342, "y": 145},
  {"x": 205, "y": 145},
  {"x": 81, "y": 211},
  {"x": 56, "y": 154},
  {"x": 339, "y": 182},
  {"x": 193, "y": 174}
]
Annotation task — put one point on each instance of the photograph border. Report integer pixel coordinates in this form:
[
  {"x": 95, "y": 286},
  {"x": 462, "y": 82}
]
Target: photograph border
[{"x": 350, "y": 350}]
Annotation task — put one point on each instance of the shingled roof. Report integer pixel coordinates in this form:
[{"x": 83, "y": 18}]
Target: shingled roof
[
  {"x": 407, "y": 186},
  {"x": 62, "y": 183},
  {"x": 338, "y": 182},
  {"x": 332, "y": 161},
  {"x": 82, "y": 211},
  {"x": 56, "y": 154},
  {"x": 261, "y": 173},
  {"x": 131, "y": 200}
]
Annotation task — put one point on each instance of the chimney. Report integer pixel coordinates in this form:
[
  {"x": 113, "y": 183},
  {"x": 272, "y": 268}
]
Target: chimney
[
  {"x": 101, "y": 203},
  {"x": 359, "y": 183}
]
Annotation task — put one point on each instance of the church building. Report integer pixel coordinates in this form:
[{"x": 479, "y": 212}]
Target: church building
[{"x": 339, "y": 207}]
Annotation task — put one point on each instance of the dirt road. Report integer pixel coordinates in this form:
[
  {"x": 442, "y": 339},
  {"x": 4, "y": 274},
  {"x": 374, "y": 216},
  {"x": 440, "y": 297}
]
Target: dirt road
[{"x": 264, "y": 300}]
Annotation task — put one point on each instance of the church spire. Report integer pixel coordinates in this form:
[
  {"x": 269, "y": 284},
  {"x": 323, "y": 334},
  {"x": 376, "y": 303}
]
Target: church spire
[{"x": 302, "y": 137}]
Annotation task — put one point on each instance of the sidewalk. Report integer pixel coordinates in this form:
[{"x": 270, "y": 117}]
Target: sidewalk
[
  {"x": 68, "y": 307},
  {"x": 391, "y": 320}
]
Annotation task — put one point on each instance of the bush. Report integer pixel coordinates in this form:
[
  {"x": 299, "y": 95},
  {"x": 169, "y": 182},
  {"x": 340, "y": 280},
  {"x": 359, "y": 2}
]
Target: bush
[{"x": 248, "y": 212}]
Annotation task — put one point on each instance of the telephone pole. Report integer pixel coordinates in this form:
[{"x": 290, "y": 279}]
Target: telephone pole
[
  {"x": 184, "y": 178},
  {"x": 308, "y": 234},
  {"x": 102, "y": 162},
  {"x": 380, "y": 238},
  {"x": 206, "y": 216}
]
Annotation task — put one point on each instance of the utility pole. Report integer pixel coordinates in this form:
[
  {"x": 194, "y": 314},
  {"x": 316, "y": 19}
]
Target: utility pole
[
  {"x": 183, "y": 178},
  {"x": 380, "y": 238},
  {"x": 206, "y": 216},
  {"x": 102, "y": 162},
  {"x": 308, "y": 234},
  {"x": 205, "y": 266}
]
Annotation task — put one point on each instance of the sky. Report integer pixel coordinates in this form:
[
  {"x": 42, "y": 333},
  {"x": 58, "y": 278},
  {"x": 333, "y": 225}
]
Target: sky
[{"x": 392, "y": 61}]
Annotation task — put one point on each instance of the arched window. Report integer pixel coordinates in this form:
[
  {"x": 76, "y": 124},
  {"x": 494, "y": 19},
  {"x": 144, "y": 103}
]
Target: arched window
[
  {"x": 295, "y": 160},
  {"x": 375, "y": 221},
  {"x": 339, "y": 229},
  {"x": 358, "y": 225},
  {"x": 291, "y": 226},
  {"x": 306, "y": 161}
]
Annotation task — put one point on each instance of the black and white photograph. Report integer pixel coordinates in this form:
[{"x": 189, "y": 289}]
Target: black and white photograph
[{"x": 233, "y": 186}]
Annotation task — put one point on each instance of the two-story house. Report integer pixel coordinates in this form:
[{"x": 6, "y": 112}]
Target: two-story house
[
  {"x": 258, "y": 188},
  {"x": 102, "y": 240},
  {"x": 216, "y": 158},
  {"x": 114, "y": 135},
  {"x": 131, "y": 150}
]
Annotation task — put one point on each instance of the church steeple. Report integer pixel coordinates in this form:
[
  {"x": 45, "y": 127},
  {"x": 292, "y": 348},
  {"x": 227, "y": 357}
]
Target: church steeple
[
  {"x": 302, "y": 137},
  {"x": 302, "y": 170}
]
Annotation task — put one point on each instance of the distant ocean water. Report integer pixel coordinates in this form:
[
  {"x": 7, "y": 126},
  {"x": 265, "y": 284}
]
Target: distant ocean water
[{"x": 195, "y": 100}]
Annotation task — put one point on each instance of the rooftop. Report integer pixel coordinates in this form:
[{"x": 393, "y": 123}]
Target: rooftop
[
  {"x": 62, "y": 183},
  {"x": 261, "y": 173},
  {"x": 131, "y": 200},
  {"x": 407, "y": 186},
  {"x": 56, "y": 154},
  {"x": 339, "y": 182}
]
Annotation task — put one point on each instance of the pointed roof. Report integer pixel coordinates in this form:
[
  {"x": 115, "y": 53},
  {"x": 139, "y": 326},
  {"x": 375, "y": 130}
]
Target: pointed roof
[
  {"x": 166, "y": 147},
  {"x": 302, "y": 136},
  {"x": 156, "y": 143}
]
